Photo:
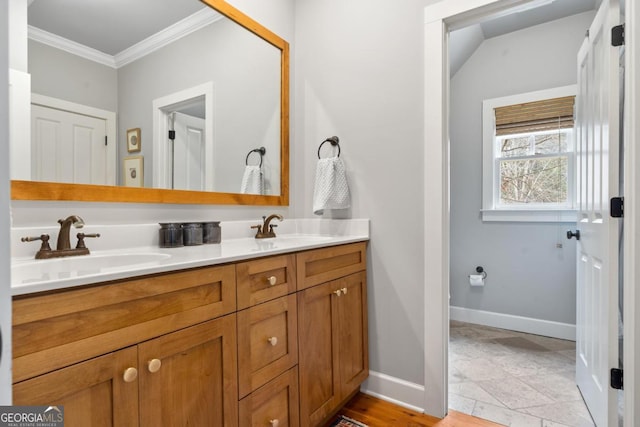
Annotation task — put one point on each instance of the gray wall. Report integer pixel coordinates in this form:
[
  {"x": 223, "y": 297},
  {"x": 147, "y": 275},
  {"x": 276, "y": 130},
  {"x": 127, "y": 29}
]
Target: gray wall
[
  {"x": 359, "y": 75},
  {"x": 89, "y": 84},
  {"x": 527, "y": 275}
]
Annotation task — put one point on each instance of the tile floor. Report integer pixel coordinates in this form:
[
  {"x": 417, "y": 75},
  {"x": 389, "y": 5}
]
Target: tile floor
[{"x": 513, "y": 378}]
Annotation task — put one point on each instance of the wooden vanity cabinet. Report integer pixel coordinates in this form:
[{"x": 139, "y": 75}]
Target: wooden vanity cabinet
[
  {"x": 151, "y": 351},
  {"x": 273, "y": 341},
  {"x": 332, "y": 325}
]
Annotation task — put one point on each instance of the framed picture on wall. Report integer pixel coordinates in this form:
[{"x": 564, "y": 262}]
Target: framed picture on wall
[
  {"x": 133, "y": 169},
  {"x": 133, "y": 140}
]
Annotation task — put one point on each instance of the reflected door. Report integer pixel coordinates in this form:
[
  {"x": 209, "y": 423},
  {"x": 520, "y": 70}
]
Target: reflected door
[
  {"x": 189, "y": 153},
  {"x": 597, "y": 150},
  {"x": 68, "y": 147}
]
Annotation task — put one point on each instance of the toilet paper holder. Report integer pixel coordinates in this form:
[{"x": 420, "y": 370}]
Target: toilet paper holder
[{"x": 480, "y": 270}]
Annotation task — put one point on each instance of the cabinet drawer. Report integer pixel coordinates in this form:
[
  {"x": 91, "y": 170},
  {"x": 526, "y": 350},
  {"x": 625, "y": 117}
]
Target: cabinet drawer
[
  {"x": 323, "y": 265},
  {"x": 267, "y": 342},
  {"x": 275, "y": 404},
  {"x": 51, "y": 331},
  {"x": 265, "y": 279}
]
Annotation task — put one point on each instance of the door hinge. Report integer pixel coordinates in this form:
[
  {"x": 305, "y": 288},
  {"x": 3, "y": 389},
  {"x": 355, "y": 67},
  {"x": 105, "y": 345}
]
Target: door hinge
[
  {"x": 617, "y": 207},
  {"x": 616, "y": 378},
  {"x": 105, "y": 140},
  {"x": 617, "y": 35}
]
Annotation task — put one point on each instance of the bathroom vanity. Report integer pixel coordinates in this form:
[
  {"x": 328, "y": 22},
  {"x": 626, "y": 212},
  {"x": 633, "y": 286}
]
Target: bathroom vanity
[{"x": 274, "y": 337}]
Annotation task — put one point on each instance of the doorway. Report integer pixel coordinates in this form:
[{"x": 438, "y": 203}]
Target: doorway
[
  {"x": 183, "y": 139},
  {"x": 440, "y": 19}
]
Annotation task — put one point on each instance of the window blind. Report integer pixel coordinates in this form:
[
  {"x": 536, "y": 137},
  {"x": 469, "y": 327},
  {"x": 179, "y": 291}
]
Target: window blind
[{"x": 548, "y": 114}]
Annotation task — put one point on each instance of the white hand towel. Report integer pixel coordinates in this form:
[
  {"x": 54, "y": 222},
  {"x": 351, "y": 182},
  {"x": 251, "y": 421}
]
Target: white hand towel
[
  {"x": 331, "y": 189},
  {"x": 252, "y": 180}
]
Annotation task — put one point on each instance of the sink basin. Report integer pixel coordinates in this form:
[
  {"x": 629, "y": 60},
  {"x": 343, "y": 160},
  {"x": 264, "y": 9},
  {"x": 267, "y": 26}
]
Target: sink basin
[{"x": 64, "y": 268}]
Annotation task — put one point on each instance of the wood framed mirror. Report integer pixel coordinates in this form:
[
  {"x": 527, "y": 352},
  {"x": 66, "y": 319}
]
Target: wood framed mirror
[{"x": 25, "y": 189}]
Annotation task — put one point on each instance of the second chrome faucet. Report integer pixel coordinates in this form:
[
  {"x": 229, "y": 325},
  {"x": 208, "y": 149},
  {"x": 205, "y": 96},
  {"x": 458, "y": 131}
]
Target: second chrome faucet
[{"x": 265, "y": 230}]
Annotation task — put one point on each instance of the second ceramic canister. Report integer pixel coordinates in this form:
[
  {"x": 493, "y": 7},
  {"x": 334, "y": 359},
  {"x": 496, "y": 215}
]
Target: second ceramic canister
[{"x": 192, "y": 233}]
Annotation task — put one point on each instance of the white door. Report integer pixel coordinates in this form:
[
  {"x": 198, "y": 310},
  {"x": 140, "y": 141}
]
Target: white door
[
  {"x": 68, "y": 147},
  {"x": 189, "y": 153},
  {"x": 597, "y": 144}
]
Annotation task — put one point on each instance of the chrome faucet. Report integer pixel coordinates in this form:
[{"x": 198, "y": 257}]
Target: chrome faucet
[
  {"x": 266, "y": 229},
  {"x": 63, "y": 246}
]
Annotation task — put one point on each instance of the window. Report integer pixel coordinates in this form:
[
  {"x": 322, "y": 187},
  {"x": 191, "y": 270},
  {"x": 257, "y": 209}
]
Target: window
[{"x": 528, "y": 157}]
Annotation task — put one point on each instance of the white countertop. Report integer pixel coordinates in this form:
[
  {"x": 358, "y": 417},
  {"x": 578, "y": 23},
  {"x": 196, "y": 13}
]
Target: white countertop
[{"x": 112, "y": 259}]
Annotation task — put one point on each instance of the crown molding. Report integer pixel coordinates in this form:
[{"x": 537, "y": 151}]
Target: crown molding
[
  {"x": 70, "y": 46},
  {"x": 180, "y": 29}
]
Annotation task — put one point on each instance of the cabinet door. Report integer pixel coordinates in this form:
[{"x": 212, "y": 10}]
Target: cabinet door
[
  {"x": 188, "y": 378},
  {"x": 318, "y": 344},
  {"x": 353, "y": 332},
  {"x": 93, "y": 393}
]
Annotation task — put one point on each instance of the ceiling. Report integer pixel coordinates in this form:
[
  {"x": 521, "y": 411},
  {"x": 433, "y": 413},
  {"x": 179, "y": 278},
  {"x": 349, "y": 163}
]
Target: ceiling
[
  {"x": 465, "y": 41},
  {"x": 109, "y": 26}
]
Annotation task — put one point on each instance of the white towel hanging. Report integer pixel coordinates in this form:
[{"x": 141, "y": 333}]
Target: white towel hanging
[
  {"x": 252, "y": 180},
  {"x": 331, "y": 189}
]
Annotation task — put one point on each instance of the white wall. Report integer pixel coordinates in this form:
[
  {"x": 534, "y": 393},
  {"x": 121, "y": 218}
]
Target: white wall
[
  {"x": 5, "y": 260},
  {"x": 527, "y": 275}
]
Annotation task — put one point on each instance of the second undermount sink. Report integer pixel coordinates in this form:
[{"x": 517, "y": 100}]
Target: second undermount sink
[{"x": 62, "y": 268}]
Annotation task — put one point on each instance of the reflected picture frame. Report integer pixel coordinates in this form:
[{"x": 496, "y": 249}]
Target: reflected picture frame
[
  {"x": 133, "y": 171},
  {"x": 134, "y": 143}
]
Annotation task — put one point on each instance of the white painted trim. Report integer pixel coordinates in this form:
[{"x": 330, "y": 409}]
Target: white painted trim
[
  {"x": 108, "y": 116},
  {"x": 547, "y": 328},
  {"x": 161, "y": 178},
  {"x": 529, "y": 215},
  {"x": 436, "y": 217},
  {"x": 19, "y": 124},
  {"x": 631, "y": 233},
  {"x": 180, "y": 29},
  {"x": 70, "y": 46},
  {"x": 395, "y": 390}
]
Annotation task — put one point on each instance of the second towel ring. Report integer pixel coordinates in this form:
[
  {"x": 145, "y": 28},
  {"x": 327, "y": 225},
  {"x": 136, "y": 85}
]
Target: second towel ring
[
  {"x": 260, "y": 150},
  {"x": 334, "y": 140}
]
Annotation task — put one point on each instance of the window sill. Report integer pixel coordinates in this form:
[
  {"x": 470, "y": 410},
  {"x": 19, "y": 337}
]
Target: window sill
[{"x": 529, "y": 215}]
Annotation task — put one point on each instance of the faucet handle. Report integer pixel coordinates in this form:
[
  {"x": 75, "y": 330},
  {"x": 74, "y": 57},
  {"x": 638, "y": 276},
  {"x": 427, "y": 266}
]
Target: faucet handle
[
  {"x": 81, "y": 237},
  {"x": 45, "y": 241}
]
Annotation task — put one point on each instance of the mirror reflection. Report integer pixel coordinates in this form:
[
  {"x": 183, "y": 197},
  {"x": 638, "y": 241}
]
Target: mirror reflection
[{"x": 188, "y": 90}]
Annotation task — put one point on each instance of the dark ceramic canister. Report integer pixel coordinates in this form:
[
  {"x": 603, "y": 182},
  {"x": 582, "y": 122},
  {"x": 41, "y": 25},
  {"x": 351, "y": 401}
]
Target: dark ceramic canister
[
  {"x": 192, "y": 233},
  {"x": 211, "y": 232},
  {"x": 170, "y": 235}
]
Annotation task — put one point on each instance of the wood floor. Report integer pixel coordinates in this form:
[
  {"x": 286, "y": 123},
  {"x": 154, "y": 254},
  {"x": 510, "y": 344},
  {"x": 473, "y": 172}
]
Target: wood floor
[{"x": 379, "y": 413}]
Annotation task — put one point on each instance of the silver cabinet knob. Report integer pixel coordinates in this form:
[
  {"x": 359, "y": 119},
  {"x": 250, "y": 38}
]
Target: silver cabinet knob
[
  {"x": 273, "y": 340},
  {"x": 272, "y": 280}
]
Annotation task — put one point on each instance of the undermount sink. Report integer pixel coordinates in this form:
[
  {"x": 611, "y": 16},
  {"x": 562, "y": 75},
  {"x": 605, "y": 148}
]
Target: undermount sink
[{"x": 62, "y": 268}]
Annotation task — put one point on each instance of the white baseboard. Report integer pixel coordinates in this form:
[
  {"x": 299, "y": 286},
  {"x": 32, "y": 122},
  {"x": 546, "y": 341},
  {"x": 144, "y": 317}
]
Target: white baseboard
[
  {"x": 565, "y": 331},
  {"x": 395, "y": 390}
]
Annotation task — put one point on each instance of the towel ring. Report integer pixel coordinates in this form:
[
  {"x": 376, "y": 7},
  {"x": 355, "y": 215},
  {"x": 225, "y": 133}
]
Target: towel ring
[
  {"x": 334, "y": 140},
  {"x": 260, "y": 150}
]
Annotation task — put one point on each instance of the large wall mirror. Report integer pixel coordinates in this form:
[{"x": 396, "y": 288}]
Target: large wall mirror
[{"x": 195, "y": 112}]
